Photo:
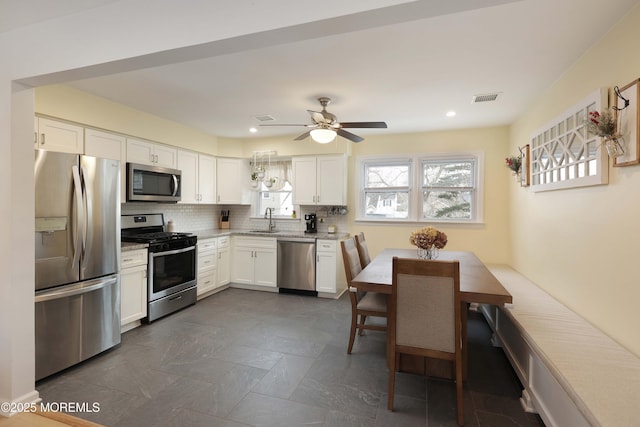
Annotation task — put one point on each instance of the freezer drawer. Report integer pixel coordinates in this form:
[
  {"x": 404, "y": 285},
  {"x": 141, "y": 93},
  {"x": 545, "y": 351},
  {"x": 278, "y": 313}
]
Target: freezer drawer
[{"x": 76, "y": 322}]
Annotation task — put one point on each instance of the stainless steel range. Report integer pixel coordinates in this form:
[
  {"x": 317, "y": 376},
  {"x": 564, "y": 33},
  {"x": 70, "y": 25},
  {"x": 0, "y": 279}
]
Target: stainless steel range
[{"x": 171, "y": 276}]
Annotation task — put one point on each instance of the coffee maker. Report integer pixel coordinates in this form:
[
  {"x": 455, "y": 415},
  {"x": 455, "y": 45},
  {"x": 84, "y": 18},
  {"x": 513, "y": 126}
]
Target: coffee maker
[{"x": 311, "y": 223}]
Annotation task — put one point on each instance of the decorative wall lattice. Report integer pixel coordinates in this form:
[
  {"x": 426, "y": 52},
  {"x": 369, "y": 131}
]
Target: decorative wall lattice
[{"x": 565, "y": 155}]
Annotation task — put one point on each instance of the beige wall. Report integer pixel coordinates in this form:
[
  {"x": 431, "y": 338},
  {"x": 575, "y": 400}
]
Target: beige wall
[
  {"x": 582, "y": 245},
  {"x": 68, "y": 103},
  {"x": 488, "y": 240}
]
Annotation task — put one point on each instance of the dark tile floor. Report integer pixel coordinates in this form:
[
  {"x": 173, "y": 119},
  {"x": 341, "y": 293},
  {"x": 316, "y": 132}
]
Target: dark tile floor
[{"x": 247, "y": 358}]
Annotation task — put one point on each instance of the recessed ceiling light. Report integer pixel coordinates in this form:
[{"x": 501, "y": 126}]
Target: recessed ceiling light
[
  {"x": 253, "y": 130},
  {"x": 451, "y": 113}
]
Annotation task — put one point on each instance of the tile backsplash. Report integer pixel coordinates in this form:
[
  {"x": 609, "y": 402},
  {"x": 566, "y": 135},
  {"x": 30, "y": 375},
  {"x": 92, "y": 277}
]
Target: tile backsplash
[{"x": 190, "y": 218}]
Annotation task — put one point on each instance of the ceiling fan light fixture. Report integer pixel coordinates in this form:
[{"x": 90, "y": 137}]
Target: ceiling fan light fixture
[{"x": 323, "y": 136}]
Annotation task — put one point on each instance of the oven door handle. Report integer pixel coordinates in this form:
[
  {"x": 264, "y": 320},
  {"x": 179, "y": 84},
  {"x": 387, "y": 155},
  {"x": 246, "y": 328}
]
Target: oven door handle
[{"x": 173, "y": 252}]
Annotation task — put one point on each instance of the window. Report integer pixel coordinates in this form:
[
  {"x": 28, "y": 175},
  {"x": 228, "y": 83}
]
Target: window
[
  {"x": 386, "y": 189},
  {"x": 448, "y": 189},
  {"x": 278, "y": 196},
  {"x": 279, "y": 200},
  {"x": 423, "y": 188}
]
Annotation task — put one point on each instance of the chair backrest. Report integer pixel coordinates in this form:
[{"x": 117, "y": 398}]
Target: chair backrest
[
  {"x": 363, "y": 250},
  {"x": 425, "y": 304},
  {"x": 351, "y": 259}
]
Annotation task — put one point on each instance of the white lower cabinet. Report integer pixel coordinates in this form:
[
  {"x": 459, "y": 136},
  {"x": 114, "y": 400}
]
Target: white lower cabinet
[
  {"x": 254, "y": 261},
  {"x": 133, "y": 288},
  {"x": 331, "y": 280},
  {"x": 326, "y": 265},
  {"x": 224, "y": 261},
  {"x": 207, "y": 265}
]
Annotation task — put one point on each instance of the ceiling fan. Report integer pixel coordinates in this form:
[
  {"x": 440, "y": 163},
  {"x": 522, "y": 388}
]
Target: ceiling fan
[{"x": 325, "y": 125}]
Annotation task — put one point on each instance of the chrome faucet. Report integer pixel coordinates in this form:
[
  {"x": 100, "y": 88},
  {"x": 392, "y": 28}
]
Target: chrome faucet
[{"x": 271, "y": 224}]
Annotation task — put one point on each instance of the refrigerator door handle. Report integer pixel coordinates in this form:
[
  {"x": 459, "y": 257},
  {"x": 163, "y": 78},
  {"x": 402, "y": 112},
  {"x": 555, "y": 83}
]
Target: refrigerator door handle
[
  {"x": 79, "y": 228},
  {"x": 87, "y": 234},
  {"x": 76, "y": 289}
]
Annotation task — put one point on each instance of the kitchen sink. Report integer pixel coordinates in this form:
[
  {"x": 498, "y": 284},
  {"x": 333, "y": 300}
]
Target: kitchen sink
[{"x": 263, "y": 231}]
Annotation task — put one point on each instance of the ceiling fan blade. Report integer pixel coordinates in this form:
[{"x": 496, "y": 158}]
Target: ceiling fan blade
[
  {"x": 350, "y": 136},
  {"x": 303, "y": 136},
  {"x": 287, "y": 124},
  {"x": 379, "y": 125}
]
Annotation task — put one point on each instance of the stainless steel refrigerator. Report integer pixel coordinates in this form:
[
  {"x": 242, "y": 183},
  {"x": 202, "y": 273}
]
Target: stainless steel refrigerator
[{"x": 77, "y": 243}]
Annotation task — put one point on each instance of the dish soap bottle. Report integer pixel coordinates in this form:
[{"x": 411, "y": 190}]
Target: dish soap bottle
[{"x": 293, "y": 215}]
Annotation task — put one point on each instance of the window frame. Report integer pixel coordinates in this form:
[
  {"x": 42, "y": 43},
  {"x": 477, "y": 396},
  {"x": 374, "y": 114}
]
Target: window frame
[{"x": 417, "y": 162}]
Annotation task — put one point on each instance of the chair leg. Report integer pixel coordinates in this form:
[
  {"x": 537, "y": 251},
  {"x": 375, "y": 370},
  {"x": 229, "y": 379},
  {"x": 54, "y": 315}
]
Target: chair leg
[
  {"x": 459, "y": 396},
  {"x": 392, "y": 381},
  {"x": 352, "y": 333},
  {"x": 362, "y": 319}
]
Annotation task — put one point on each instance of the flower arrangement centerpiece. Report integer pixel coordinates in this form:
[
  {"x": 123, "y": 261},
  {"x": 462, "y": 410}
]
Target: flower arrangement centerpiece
[
  {"x": 514, "y": 163},
  {"x": 604, "y": 125},
  {"x": 429, "y": 241}
]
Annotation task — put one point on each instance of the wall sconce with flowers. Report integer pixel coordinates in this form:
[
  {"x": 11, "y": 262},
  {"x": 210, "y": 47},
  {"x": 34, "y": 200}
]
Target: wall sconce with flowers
[
  {"x": 514, "y": 163},
  {"x": 604, "y": 125}
]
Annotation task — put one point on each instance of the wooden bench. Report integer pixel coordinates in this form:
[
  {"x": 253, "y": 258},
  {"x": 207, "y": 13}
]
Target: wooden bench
[{"x": 573, "y": 374}]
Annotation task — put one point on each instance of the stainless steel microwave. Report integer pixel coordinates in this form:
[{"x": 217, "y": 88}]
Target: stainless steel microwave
[{"x": 152, "y": 183}]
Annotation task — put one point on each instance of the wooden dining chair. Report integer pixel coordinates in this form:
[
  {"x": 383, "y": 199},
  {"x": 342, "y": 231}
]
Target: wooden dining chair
[
  {"x": 363, "y": 304},
  {"x": 363, "y": 250},
  {"x": 424, "y": 316}
]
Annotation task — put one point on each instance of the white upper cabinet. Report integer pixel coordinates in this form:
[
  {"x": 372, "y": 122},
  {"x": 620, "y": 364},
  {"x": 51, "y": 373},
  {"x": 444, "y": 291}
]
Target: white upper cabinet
[
  {"x": 207, "y": 179},
  {"x": 149, "y": 153},
  {"x": 319, "y": 180},
  {"x": 232, "y": 179},
  {"x": 108, "y": 146},
  {"x": 58, "y": 136},
  {"x": 198, "y": 177}
]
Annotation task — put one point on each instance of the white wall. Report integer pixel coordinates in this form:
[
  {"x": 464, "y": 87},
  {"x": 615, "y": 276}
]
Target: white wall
[{"x": 582, "y": 245}]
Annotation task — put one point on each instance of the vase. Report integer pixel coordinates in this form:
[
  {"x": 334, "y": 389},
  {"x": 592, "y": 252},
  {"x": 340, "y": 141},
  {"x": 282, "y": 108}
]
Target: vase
[
  {"x": 614, "y": 146},
  {"x": 428, "y": 253}
]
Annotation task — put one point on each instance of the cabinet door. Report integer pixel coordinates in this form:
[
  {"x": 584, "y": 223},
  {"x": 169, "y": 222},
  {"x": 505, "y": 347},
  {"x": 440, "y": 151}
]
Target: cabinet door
[
  {"x": 331, "y": 181},
  {"x": 326, "y": 272},
  {"x": 139, "y": 152},
  {"x": 224, "y": 267},
  {"x": 59, "y": 136},
  {"x": 232, "y": 179},
  {"x": 242, "y": 265},
  {"x": 206, "y": 281},
  {"x": 304, "y": 180},
  {"x": 265, "y": 267},
  {"x": 165, "y": 156},
  {"x": 207, "y": 260},
  {"x": 108, "y": 146},
  {"x": 206, "y": 179},
  {"x": 188, "y": 164},
  {"x": 133, "y": 294}
]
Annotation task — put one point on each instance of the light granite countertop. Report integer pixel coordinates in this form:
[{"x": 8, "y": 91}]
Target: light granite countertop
[
  {"x": 206, "y": 234},
  {"x": 209, "y": 234},
  {"x": 131, "y": 246}
]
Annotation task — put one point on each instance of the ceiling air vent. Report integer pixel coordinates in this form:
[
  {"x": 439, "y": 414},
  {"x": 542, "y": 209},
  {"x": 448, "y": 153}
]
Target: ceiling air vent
[
  {"x": 485, "y": 97},
  {"x": 264, "y": 118}
]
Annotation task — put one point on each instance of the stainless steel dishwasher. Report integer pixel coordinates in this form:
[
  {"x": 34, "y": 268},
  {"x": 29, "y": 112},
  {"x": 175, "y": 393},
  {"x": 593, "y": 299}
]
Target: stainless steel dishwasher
[{"x": 297, "y": 265}]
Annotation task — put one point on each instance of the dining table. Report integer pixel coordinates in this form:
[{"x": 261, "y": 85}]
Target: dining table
[{"x": 477, "y": 284}]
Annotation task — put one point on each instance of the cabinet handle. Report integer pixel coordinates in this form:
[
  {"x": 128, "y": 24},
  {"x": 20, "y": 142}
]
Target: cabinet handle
[
  {"x": 127, "y": 260},
  {"x": 35, "y": 137},
  {"x": 42, "y": 138}
]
